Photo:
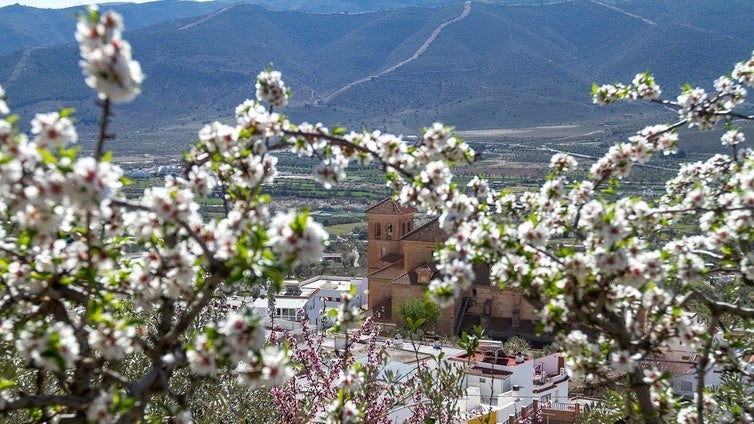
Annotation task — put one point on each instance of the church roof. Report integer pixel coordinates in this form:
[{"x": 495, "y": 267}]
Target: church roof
[
  {"x": 391, "y": 257},
  {"x": 412, "y": 277},
  {"x": 389, "y": 272},
  {"x": 390, "y": 207},
  {"x": 429, "y": 232}
]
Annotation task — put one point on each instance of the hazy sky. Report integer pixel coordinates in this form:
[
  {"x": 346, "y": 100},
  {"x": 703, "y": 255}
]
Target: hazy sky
[{"x": 59, "y": 4}]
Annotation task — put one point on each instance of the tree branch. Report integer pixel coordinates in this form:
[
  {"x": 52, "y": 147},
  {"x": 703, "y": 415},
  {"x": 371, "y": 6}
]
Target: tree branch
[
  {"x": 43, "y": 400},
  {"x": 718, "y": 307}
]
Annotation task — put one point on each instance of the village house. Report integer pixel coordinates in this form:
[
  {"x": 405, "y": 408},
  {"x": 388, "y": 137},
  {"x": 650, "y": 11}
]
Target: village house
[
  {"x": 511, "y": 386},
  {"x": 500, "y": 386},
  {"x": 681, "y": 361},
  {"x": 311, "y": 299}
]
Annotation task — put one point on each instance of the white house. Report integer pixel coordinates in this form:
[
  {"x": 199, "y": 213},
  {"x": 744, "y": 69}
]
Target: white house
[
  {"x": 509, "y": 384},
  {"x": 311, "y": 298},
  {"x": 681, "y": 360}
]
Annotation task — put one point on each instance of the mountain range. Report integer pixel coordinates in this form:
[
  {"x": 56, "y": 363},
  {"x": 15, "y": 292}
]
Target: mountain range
[{"x": 473, "y": 65}]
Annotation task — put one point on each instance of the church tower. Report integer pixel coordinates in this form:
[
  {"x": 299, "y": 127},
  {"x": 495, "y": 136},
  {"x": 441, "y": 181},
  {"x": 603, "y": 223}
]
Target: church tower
[{"x": 387, "y": 222}]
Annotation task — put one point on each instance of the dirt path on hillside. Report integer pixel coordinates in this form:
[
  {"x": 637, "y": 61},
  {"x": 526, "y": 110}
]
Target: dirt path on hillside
[
  {"x": 206, "y": 18},
  {"x": 417, "y": 53},
  {"x": 619, "y": 10},
  {"x": 21, "y": 64}
]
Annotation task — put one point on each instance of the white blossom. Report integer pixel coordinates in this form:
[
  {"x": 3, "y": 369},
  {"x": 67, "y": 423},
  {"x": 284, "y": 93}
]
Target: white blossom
[
  {"x": 202, "y": 358},
  {"x": 113, "y": 340},
  {"x": 4, "y": 110},
  {"x": 54, "y": 348},
  {"x": 563, "y": 162},
  {"x": 106, "y": 57},
  {"x": 609, "y": 93},
  {"x": 331, "y": 170},
  {"x": 220, "y": 138},
  {"x": 624, "y": 361},
  {"x": 744, "y": 71},
  {"x": 271, "y": 88},
  {"x": 297, "y": 237},
  {"x": 100, "y": 409},
  {"x": 275, "y": 367},
  {"x": 52, "y": 130},
  {"x": 645, "y": 87},
  {"x": 350, "y": 380},
  {"x": 732, "y": 137},
  {"x": 443, "y": 292},
  {"x": 343, "y": 413}
]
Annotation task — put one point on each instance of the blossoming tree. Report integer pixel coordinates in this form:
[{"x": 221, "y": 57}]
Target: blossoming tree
[
  {"x": 75, "y": 307},
  {"x": 622, "y": 274}
]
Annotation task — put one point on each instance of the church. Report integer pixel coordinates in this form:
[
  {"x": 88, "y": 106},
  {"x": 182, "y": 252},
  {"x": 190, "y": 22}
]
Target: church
[{"x": 400, "y": 266}]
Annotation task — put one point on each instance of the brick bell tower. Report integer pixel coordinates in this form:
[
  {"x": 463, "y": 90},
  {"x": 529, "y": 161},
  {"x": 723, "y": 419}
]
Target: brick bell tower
[{"x": 387, "y": 222}]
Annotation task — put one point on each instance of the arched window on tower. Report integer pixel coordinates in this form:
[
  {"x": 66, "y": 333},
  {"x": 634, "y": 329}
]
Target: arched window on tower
[
  {"x": 377, "y": 230},
  {"x": 389, "y": 231}
]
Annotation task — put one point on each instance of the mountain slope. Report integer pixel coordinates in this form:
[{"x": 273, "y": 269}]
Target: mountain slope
[
  {"x": 500, "y": 66},
  {"x": 28, "y": 27}
]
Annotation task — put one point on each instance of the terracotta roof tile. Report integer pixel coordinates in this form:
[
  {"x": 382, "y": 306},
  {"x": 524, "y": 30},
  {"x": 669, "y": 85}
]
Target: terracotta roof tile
[
  {"x": 404, "y": 279},
  {"x": 412, "y": 277},
  {"x": 392, "y": 257},
  {"x": 390, "y": 207},
  {"x": 389, "y": 272},
  {"x": 429, "y": 232}
]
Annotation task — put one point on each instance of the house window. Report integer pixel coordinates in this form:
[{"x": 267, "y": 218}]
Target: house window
[
  {"x": 290, "y": 314},
  {"x": 389, "y": 231},
  {"x": 482, "y": 380},
  {"x": 377, "y": 231}
]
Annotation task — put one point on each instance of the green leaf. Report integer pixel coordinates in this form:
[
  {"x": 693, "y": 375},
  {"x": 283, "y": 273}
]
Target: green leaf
[
  {"x": 47, "y": 157},
  {"x": 11, "y": 119},
  {"x": 67, "y": 112}
]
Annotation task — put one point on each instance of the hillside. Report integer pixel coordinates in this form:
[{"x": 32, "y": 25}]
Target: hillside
[
  {"x": 29, "y": 27},
  {"x": 500, "y": 66}
]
